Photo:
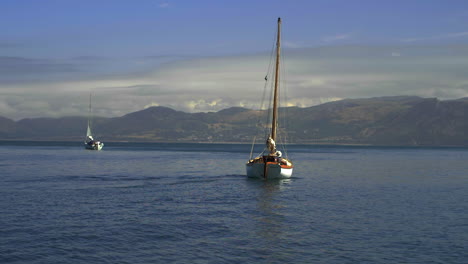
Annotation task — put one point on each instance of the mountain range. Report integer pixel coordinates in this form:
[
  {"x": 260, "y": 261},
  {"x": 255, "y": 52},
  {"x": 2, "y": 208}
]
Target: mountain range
[{"x": 398, "y": 120}]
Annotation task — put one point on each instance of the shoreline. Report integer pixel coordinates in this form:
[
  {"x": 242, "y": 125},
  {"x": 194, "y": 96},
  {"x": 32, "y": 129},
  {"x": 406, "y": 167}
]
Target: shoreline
[{"x": 73, "y": 142}]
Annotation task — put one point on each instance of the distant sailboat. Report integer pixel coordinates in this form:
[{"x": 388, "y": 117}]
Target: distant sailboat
[
  {"x": 90, "y": 142},
  {"x": 270, "y": 164}
]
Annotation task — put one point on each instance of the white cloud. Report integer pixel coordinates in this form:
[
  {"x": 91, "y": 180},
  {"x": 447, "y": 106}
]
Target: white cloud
[
  {"x": 311, "y": 76},
  {"x": 337, "y": 37},
  {"x": 151, "y": 105},
  {"x": 458, "y": 34},
  {"x": 164, "y": 5},
  {"x": 437, "y": 37},
  {"x": 205, "y": 105},
  {"x": 292, "y": 45}
]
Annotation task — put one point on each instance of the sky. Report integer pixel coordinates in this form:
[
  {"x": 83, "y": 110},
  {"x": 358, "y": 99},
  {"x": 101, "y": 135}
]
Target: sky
[{"x": 199, "y": 56}]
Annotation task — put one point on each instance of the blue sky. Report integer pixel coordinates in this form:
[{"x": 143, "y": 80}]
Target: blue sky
[{"x": 209, "y": 55}]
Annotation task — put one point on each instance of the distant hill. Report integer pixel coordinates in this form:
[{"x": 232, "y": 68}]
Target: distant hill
[
  {"x": 399, "y": 120},
  {"x": 7, "y": 127}
]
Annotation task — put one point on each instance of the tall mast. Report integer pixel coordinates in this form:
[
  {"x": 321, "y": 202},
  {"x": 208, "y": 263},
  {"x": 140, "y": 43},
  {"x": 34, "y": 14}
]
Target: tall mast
[
  {"x": 274, "y": 122},
  {"x": 89, "y": 111}
]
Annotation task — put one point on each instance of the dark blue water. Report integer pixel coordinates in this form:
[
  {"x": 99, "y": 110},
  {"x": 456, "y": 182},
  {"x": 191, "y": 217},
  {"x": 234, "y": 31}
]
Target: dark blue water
[{"x": 190, "y": 203}]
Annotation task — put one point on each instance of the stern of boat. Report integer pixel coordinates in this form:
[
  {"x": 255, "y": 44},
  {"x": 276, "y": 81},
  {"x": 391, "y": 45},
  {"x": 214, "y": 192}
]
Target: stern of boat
[{"x": 274, "y": 170}]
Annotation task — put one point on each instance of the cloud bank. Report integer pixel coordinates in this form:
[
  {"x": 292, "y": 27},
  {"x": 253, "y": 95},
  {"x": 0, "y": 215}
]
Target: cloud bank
[{"x": 31, "y": 87}]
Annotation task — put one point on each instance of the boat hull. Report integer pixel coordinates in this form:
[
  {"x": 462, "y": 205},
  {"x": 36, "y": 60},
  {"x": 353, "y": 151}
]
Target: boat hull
[
  {"x": 94, "y": 146},
  {"x": 272, "y": 171}
]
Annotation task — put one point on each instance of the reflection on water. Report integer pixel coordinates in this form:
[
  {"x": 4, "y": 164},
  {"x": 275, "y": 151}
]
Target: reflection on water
[{"x": 270, "y": 207}]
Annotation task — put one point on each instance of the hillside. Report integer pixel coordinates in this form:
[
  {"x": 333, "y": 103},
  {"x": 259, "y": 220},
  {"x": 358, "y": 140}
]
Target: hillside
[{"x": 400, "y": 120}]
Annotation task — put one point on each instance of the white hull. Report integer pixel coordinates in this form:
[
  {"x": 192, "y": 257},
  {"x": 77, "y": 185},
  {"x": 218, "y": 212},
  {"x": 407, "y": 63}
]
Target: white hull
[
  {"x": 94, "y": 146},
  {"x": 273, "y": 171}
]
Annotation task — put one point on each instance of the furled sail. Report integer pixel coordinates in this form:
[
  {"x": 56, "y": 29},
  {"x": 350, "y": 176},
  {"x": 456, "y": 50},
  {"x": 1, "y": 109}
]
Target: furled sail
[
  {"x": 89, "y": 136},
  {"x": 88, "y": 132}
]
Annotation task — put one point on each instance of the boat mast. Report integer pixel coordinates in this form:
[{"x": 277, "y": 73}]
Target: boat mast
[
  {"x": 274, "y": 122},
  {"x": 89, "y": 111}
]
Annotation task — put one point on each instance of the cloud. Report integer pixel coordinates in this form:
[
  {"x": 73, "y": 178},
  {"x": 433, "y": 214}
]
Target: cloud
[
  {"x": 337, "y": 37},
  {"x": 20, "y": 66},
  {"x": 310, "y": 76},
  {"x": 164, "y": 5},
  {"x": 437, "y": 37},
  {"x": 457, "y": 35},
  {"x": 150, "y": 105},
  {"x": 292, "y": 45},
  {"x": 204, "y": 105}
]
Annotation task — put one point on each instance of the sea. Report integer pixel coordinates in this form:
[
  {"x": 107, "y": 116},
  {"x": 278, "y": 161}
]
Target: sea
[{"x": 192, "y": 203}]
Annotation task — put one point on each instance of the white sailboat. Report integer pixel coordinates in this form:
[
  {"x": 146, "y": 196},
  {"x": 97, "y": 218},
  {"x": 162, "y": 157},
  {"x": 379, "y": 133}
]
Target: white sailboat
[
  {"x": 90, "y": 142},
  {"x": 270, "y": 164}
]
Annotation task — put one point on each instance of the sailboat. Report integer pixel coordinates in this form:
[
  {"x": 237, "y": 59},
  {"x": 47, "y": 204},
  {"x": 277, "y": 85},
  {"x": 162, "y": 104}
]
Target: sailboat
[
  {"x": 270, "y": 164},
  {"x": 90, "y": 142}
]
